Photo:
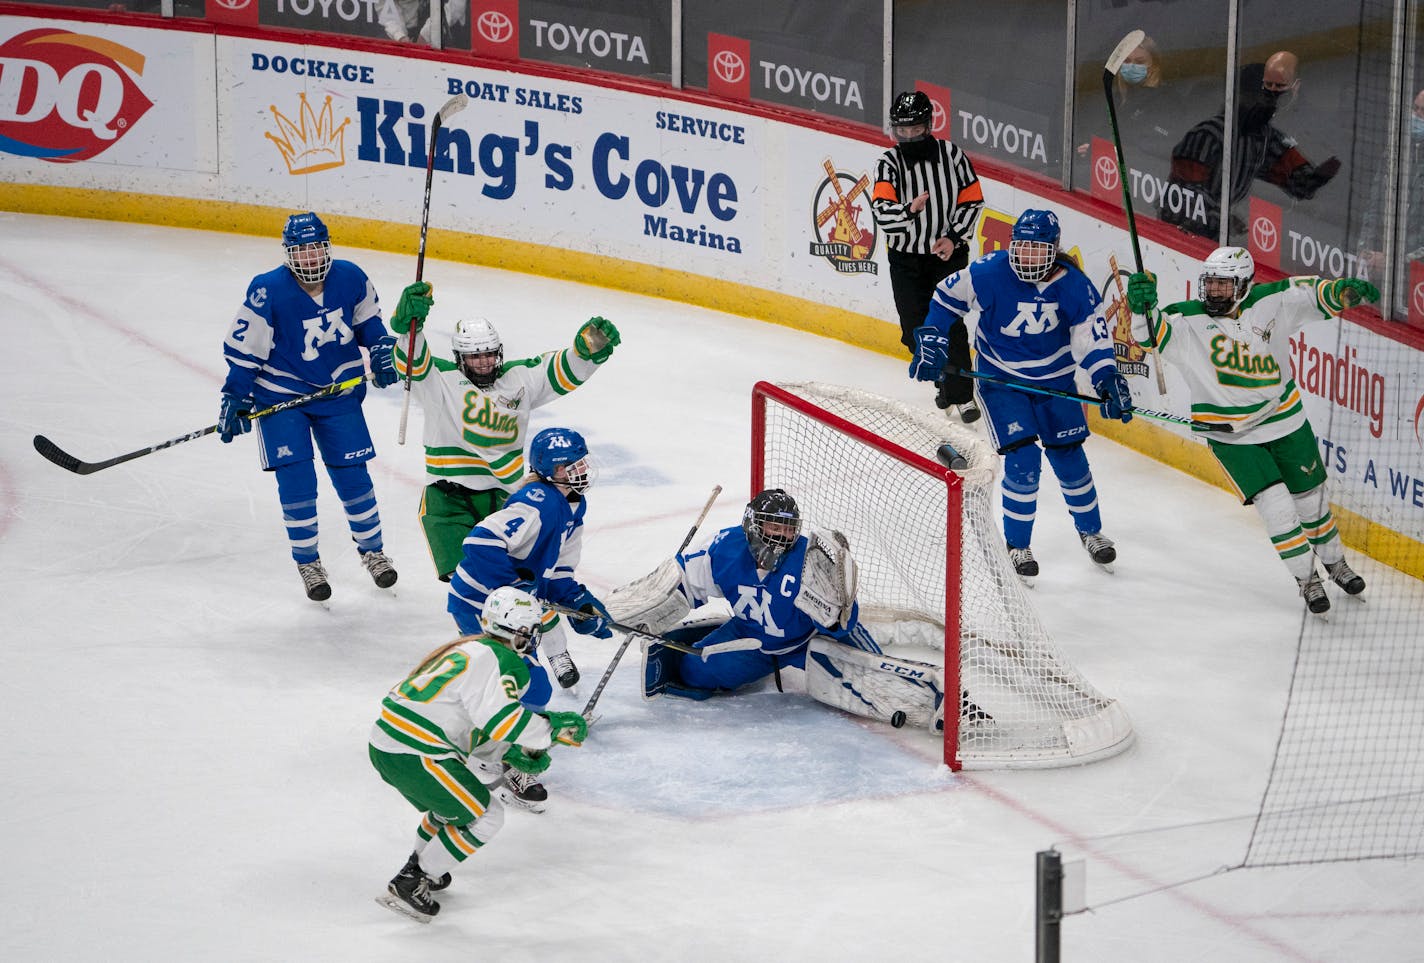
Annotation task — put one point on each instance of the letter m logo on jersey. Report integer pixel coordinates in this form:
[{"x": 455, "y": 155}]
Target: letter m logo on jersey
[
  {"x": 754, "y": 605},
  {"x": 67, "y": 97},
  {"x": 1032, "y": 318}
]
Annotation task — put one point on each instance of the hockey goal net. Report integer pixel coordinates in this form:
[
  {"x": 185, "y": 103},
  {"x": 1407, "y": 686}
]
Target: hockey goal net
[{"x": 876, "y": 470}]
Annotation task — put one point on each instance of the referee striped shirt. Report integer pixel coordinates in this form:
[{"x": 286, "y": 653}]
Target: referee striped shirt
[{"x": 952, "y": 208}]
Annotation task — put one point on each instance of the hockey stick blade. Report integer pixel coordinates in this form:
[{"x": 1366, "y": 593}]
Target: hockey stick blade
[
  {"x": 1124, "y": 47},
  {"x": 459, "y": 102}
]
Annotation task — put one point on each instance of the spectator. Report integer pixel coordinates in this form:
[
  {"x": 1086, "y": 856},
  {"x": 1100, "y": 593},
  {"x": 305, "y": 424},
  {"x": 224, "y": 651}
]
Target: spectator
[
  {"x": 1148, "y": 111},
  {"x": 411, "y": 20},
  {"x": 1259, "y": 151}
]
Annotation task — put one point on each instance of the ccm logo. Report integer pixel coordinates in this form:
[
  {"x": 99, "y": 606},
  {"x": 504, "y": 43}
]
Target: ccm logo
[
  {"x": 902, "y": 670},
  {"x": 357, "y": 454}
]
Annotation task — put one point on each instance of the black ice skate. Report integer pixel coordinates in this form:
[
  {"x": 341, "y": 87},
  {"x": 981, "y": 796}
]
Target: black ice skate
[
  {"x": 383, "y": 573},
  {"x": 409, "y": 894},
  {"x": 1344, "y": 576},
  {"x": 436, "y": 885},
  {"x": 1313, "y": 591},
  {"x": 1024, "y": 563},
  {"x": 564, "y": 670},
  {"x": 1099, "y": 547},
  {"x": 314, "y": 579},
  {"x": 524, "y": 790},
  {"x": 968, "y": 412}
]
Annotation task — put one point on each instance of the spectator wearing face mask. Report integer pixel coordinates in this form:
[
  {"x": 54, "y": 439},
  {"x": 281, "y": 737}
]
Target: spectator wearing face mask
[
  {"x": 1148, "y": 111},
  {"x": 1260, "y": 151},
  {"x": 1410, "y": 204}
]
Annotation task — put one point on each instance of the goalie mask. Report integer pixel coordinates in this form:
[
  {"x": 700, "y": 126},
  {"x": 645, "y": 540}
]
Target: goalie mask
[
  {"x": 513, "y": 617},
  {"x": 307, "y": 244},
  {"x": 1226, "y": 280},
  {"x": 1033, "y": 248},
  {"x": 772, "y": 523},
  {"x": 559, "y": 456},
  {"x": 478, "y": 351}
]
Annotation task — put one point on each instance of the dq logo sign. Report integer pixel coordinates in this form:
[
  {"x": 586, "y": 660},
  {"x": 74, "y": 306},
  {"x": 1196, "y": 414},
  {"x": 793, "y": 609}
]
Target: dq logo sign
[{"x": 67, "y": 97}]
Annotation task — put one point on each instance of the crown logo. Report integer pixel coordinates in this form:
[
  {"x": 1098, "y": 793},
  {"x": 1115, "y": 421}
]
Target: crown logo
[{"x": 312, "y": 145}]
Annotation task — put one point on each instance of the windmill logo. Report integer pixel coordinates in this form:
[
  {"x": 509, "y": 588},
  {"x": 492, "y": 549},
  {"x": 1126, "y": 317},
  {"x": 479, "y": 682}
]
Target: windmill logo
[{"x": 844, "y": 227}]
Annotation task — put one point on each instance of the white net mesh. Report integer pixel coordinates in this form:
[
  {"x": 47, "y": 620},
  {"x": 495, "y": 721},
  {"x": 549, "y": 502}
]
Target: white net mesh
[{"x": 894, "y": 512}]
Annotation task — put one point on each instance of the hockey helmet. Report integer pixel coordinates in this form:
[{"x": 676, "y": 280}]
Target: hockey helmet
[
  {"x": 772, "y": 524},
  {"x": 478, "y": 351},
  {"x": 307, "y": 244},
  {"x": 1033, "y": 246},
  {"x": 1225, "y": 280},
  {"x": 555, "y": 448},
  {"x": 513, "y": 617},
  {"x": 910, "y": 109}
]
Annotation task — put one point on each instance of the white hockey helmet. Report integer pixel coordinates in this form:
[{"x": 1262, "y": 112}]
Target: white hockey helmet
[
  {"x": 478, "y": 338},
  {"x": 513, "y": 616},
  {"x": 1236, "y": 267}
]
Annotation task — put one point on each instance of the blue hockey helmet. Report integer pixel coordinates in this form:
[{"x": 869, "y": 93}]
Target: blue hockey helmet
[
  {"x": 1033, "y": 247},
  {"x": 555, "y": 447},
  {"x": 772, "y": 523},
  {"x": 308, "y": 246}
]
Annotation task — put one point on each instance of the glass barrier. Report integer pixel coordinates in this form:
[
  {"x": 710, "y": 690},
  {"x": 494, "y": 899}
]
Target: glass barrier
[{"x": 996, "y": 81}]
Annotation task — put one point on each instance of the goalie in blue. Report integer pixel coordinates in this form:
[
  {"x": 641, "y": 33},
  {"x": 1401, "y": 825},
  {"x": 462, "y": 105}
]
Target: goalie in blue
[{"x": 1039, "y": 319}]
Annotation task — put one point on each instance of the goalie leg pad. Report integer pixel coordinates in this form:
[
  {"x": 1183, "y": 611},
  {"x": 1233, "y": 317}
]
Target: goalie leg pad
[
  {"x": 874, "y": 686},
  {"x": 662, "y": 677}
]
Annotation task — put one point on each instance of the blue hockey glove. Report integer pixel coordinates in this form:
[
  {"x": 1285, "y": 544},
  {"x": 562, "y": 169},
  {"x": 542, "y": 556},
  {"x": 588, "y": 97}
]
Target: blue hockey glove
[
  {"x": 598, "y": 626},
  {"x": 931, "y": 352},
  {"x": 1117, "y": 396},
  {"x": 1142, "y": 292},
  {"x": 232, "y": 417},
  {"x": 414, "y": 304},
  {"x": 383, "y": 362}
]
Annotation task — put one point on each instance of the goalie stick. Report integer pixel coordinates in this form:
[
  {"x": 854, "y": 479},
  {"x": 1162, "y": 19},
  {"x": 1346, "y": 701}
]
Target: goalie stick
[
  {"x": 68, "y": 462},
  {"x": 731, "y": 645},
  {"x": 452, "y": 107},
  {"x": 628, "y": 638},
  {"x": 1090, "y": 400}
]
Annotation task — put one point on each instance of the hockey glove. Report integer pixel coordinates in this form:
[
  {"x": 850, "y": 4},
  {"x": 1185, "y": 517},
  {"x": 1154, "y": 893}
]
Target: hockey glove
[
  {"x": 1117, "y": 396},
  {"x": 569, "y": 728},
  {"x": 596, "y": 340},
  {"x": 414, "y": 304},
  {"x": 1142, "y": 292},
  {"x": 1348, "y": 292},
  {"x": 931, "y": 352},
  {"x": 598, "y": 624},
  {"x": 232, "y": 417},
  {"x": 532, "y": 761},
  {"x": 383, "y": 362}
]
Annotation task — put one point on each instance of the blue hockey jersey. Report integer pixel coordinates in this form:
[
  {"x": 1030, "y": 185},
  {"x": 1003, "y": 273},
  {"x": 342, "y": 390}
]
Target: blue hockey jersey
[
  {"x": 1029, "y": 331},
  {"x": 284, "y": 342}
]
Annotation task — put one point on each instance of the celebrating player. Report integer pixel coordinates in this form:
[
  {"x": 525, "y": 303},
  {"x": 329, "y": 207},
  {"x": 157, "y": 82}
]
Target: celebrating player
[
  {"x": 1039, "y": 318},
  {"x": 1233, "y": 346},
  {"x": 477, "y": 411},
  {"x": 301, "y": 328},
  {"x": 458, "y": 709}
]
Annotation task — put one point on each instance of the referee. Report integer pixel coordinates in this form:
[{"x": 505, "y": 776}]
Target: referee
[{"x": 928, "y": 236}]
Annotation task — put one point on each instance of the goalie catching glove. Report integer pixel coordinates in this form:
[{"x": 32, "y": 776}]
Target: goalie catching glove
[
  {"x": 596, "y": 340},
  {"x": 829, "y": 579},
  {"x": 653, "y": 603}
]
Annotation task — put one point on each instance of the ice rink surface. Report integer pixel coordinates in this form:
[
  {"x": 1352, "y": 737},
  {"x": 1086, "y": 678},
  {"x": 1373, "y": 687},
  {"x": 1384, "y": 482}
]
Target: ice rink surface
[{"x": 185, "y": 771}]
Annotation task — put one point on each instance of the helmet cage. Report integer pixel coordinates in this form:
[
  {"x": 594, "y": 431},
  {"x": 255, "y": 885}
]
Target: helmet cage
[
  {"x": 1032, "y": 260},
  {"x": 307, "y": 245},
  {"x": 772, "y": 524},
  {"x": 562, "y": 448}
]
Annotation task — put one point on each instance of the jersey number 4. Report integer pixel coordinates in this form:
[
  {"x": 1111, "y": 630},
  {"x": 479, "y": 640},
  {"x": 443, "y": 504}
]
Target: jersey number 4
[
  {"x": 1033, "y": 317},
  {"x": 323, "y": 330}
]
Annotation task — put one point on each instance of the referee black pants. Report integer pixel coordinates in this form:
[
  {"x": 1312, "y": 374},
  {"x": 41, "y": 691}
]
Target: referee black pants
[{"x": 912, "y": 280}]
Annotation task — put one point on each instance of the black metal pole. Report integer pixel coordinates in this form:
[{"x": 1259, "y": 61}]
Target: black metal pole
[{"x": 1048, "y": 909}]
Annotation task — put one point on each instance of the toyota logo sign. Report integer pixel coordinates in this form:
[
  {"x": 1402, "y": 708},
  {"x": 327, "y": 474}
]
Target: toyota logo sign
[
  {"x": 1105, "y": 173},
  {"x": 232, "y": 4},
  {"x": 494, "y": 26},
  {"x": 729, "y": 67},
  {"x": 1264, "y": 234}
]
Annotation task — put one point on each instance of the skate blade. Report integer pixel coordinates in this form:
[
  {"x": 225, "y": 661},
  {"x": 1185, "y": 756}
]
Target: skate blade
[
  {"x": 398, "y": 905},
  {"x": 529, "y": 806}
]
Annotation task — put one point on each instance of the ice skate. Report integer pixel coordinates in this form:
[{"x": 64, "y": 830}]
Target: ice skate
[
  {"x": 1345, "y": 577},
  {"x": 436, "y": 885},
  {"x": 383, "y": 573},
  {"x": 522, "y": 789},
  {"x": 1313, "y": 591},
  {"x": 409, "y": 894},
  {"x": 314, "y": 579},
  {"x": 564, "y": 670},
  {"x": 1099, "y": 547},
  {"x": 968, "y": 412},
  {"x": 1024, "y": 563}
]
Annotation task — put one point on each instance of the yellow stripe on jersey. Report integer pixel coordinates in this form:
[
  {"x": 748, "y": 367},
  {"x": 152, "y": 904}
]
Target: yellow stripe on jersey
[
  {"x": 414, "y": 731},
  {"x": 507, "y": 726},
  {"x": 559, "y": 374},
  {"x": 453, "y": 787}
]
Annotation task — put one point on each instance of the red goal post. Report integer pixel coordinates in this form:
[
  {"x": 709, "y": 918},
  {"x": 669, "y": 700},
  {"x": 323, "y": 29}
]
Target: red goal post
[{"x": 878, "y": 471}]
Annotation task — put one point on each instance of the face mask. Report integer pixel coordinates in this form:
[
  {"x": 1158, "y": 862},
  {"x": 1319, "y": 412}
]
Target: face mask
[
  {"x": 1133, "y": 73},
  {"x": 917, "y": 150},
  {"x": 1416, "y": 128}
]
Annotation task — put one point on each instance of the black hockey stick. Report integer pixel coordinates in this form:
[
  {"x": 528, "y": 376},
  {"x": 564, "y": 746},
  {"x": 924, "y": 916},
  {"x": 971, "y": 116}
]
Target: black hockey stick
[
  {"x": 628, "y": 638},
  {"x": 68, "y": 462},
  {"x": 1090, "y": 400},
  {"x": 452, "y": 106},
  {"x": 1124, "y": 47}
]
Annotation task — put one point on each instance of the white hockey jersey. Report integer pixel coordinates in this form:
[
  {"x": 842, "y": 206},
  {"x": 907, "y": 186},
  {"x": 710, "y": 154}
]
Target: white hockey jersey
[
  {"x": 1238, "y": 369},
  {"x": 475, "y": 436},
  {"x": 458, "y": 701}
]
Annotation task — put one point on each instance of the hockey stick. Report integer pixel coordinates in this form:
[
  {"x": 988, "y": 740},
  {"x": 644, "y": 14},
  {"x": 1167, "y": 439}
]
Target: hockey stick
[
  {"x": 1124, "y": 47},
  {"x": 732, "y": 645},
  {"x": 1090, "y": 400},
  {"x": 627, "y": 639},
  {"x": 68, "y": 462},
  {"x": 452, "y": 107}
]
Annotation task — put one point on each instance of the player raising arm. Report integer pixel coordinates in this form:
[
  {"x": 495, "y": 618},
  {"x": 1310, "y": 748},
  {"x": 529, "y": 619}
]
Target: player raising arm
[
  {"x": 477, "y": 411},
  {"x": 460, "y": 707},
  {"x": 1233, "y": 347}
]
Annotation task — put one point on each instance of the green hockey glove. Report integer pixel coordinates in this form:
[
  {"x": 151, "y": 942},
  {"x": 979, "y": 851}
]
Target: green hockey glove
[
  {"x": 532, "y": 761},
  {"x": 596, "y": 340},
  {"x": 414, "y": 304},
  {"x": 570, "y": 728},
  {"x": 1352, "y": 291},
  {"x": 1142, "y": 292}
]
